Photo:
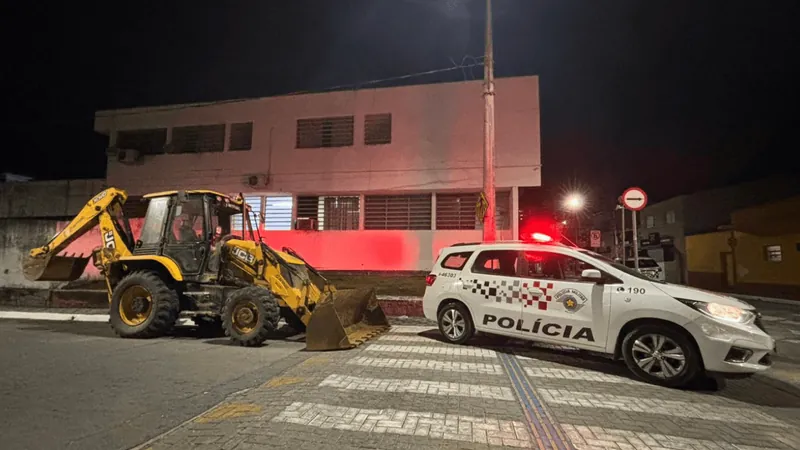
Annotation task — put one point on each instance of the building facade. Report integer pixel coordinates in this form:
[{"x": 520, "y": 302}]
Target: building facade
[
  {"x": 665, "y": 226},
  {"x": 759, "y": 254},
  {"x": 372, "y": 179}
]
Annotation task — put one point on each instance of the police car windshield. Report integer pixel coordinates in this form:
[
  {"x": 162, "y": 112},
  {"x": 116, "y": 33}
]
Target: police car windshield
[{"x": 618, "y": 266}]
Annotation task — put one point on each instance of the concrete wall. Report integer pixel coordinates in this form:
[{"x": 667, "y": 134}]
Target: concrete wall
[
  {"x": 46, "y": 199},
  {"x": 31, "y": 213},
  {"x": 437, "y": 141}
]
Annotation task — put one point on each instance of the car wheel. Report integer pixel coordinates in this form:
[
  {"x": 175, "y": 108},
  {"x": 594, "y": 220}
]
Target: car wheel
[
  {"x": 455, "y": 323},
  {"x": 661, "y": 355}
]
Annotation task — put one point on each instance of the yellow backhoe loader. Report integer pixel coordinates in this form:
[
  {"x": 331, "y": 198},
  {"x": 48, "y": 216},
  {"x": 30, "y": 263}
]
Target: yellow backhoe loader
[{"x": 187, "y": 263}]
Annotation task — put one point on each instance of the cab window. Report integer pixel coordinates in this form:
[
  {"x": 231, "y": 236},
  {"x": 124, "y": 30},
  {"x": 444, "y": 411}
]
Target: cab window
[
  {"x": 188, "y": 224},
  {"x": 554, "y": 266},
  {"x": 496, "y": 262}
]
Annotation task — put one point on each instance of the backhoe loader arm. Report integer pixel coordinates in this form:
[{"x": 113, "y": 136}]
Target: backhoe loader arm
[{"x": 44, "y": 264}]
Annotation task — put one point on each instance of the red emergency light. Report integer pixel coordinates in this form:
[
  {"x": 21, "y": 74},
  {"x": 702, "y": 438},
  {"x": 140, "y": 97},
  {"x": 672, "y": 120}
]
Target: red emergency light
[{"x": 541, "y": 238}]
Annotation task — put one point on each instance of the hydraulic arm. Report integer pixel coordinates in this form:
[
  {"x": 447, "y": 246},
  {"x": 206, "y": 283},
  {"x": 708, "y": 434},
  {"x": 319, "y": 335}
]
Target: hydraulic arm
[{"x": 105, "y": 209}]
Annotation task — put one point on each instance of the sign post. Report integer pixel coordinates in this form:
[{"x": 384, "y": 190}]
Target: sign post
[
  {"x": 595, "y": 238},
  {"x": 635, "y": 199},
  {"x": 622, "y": 213}
]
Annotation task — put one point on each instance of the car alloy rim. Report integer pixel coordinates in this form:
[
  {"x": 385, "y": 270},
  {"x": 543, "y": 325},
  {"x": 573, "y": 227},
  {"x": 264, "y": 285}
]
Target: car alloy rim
[
  {"x": 658, "y": 356},
  {"x": 453, "y": 323}
]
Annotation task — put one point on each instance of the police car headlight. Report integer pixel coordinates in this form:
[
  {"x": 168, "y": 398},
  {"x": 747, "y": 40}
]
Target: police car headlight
[{"x": 721, "y": 312}]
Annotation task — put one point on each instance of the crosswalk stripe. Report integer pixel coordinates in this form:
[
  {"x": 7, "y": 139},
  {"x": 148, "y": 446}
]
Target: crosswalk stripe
[
  {"x": 411, "y": 329},
  {"x": 452, "y": 427},
  {"x": 406, "y": 338},
  {"x": 442, "y": 388},
  {"x": 703, "y": 411},
  {"x": 574, "y": 374},
  {"x": 584, "y": 437},
  {"x": 432, "y": 350},
  {"x": 428, "y": 364}
]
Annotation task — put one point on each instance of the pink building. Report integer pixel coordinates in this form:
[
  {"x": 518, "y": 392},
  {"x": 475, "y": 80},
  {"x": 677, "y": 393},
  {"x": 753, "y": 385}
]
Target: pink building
[{"x": 371, "y": 179}]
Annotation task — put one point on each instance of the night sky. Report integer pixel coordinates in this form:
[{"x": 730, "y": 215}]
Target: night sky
[{"x": 671, "y": 96}]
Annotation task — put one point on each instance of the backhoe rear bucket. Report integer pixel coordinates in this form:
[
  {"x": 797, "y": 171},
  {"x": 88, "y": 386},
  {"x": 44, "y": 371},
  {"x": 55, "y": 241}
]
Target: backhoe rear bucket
[
  {"x": 54, "y": 267},
  {"x": 346, "y": 320}
]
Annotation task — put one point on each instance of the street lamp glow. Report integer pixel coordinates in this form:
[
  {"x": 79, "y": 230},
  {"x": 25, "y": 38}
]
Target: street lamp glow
[{"x": 574, "y": 202}]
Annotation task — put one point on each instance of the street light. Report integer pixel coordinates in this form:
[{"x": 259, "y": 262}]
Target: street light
[{"x": 574, "y": 203}]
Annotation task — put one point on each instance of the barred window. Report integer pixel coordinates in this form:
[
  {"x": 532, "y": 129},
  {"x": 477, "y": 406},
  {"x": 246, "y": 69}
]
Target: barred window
[
  {"x": 199, "y": 138},
  {"x": 458, "y": 211},
  {"x": 377, "y": 129},
  {"x": 327, "y": 213},
  {"x": 241, "y": 137},
  {"x": 397, "y": 212},
  {"x": 148, "y": 142},
  {"x": 325, "y": 132}
]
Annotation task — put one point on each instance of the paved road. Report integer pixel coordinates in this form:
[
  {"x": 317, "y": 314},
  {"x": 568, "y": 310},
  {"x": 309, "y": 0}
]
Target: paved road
[{"x": 76, "y": 386}]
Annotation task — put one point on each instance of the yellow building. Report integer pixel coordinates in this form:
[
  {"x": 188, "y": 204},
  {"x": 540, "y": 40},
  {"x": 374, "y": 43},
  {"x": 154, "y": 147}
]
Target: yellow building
[{"x": 758, "y": 254}]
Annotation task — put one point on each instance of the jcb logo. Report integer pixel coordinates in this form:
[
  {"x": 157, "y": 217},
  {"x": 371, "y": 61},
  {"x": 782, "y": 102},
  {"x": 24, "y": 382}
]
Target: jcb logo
[
  {"x": 245, "y": 256},
  {"x": 108, "y": 240}
]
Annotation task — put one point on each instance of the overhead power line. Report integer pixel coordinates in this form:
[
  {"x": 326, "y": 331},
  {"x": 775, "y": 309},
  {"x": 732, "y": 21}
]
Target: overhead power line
[{"x": 461, "y": 67}]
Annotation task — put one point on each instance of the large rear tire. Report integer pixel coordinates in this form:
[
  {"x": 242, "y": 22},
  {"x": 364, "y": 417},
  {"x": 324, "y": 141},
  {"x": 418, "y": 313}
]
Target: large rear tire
[
  {"x": 250, "y": 315},
  {"x": 143, "y": 306}
]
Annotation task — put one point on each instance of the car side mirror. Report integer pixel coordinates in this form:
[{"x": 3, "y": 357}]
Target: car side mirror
[{"x": 592, "y": 274}]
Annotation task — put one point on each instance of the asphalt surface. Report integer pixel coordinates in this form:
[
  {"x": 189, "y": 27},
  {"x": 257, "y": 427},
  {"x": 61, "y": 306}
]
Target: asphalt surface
[{"x": 77, "y": 386}]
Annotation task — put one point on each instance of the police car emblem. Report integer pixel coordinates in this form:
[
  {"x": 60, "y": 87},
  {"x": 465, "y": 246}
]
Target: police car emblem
[{"x": 572, "y": 299}]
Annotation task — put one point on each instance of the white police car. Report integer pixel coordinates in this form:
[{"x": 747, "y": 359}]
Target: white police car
[{"x": 667, "y": 334}]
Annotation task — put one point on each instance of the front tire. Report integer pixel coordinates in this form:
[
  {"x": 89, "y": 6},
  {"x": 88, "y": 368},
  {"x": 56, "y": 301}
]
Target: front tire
[
  {"x": 455, "y": 323},
  {"x": 661, "y": 355},
  {"x": 250, "y": 315},
  {"x": 143, "y": 306}
]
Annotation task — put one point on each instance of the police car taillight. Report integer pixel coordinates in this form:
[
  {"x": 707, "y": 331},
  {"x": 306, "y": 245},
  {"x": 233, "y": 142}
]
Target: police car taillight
[{"x": 430, "y": 279}]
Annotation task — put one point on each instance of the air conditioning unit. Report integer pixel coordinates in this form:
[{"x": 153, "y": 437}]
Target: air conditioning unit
[
  {"x": 306, "y": 223},
  {"x": 128, "y": 156},
  {"x": 255, "y": 180}
]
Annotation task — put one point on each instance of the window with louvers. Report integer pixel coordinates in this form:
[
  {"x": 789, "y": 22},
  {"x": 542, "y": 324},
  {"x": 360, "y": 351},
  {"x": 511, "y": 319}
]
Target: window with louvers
[
  {"x": 377, "y": 129},
  {"x": 330, "y": 213},
  {"x": 397, "y": 212},
  {"x": 457, "y": 211},
  {"x": 241, "y": 137},
  {"x": 278, "y": 213},
  {"x": 148, "y": 142},
  {"x": 198, "y": 139},
  {"x": 255, "y": 206},
  {"x": 325, "y": 132}
]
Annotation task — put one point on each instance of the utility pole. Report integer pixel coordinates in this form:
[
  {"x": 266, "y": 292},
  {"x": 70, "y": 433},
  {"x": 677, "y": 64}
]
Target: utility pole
[{"x": 489, "y": 225}]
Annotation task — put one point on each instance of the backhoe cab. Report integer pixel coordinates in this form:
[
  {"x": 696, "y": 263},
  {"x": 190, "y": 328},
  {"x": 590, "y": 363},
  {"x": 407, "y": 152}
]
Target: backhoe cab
[{"x": 198, "y": 256}]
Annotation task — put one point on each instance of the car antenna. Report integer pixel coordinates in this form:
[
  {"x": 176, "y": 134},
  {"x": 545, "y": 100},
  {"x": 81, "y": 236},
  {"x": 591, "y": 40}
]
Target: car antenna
[{"x": 563, "y": 236}]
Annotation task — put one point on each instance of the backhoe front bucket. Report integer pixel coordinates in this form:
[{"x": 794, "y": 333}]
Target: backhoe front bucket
[
  {"x": 54, "y": 267},
  {"x": 345, "y": 320}
]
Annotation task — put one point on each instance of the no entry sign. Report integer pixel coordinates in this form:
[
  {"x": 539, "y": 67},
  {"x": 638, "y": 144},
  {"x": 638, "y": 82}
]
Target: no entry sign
[{"x": 634, "y": 198}]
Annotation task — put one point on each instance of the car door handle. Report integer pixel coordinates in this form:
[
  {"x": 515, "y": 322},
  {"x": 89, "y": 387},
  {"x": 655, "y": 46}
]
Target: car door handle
[{"x": 535, "y": 295}]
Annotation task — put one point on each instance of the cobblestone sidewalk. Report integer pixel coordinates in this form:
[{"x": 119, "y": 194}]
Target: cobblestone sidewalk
[{"x": 409, "y": 390}]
